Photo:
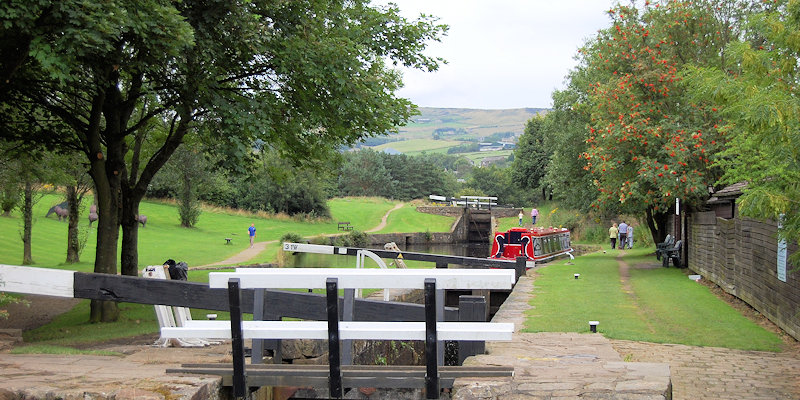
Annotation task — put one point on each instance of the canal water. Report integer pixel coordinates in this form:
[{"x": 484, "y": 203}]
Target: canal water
[{"x": 311, "y": 260}]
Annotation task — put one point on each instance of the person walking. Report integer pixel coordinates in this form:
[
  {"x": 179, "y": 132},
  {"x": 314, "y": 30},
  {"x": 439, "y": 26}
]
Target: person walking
[
  {"x": 534, "y": 214},
  {"x": 252, "y": 230},
  {"x": 612, "y": 234},
  {"x": 630, "y": 236},
  {"x": 521, "y": 215},
  {"x": 623, "y": 235}
]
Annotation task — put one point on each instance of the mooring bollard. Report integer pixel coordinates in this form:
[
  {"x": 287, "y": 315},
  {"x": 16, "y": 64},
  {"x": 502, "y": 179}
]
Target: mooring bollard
[{"x": 593, "y": 326}]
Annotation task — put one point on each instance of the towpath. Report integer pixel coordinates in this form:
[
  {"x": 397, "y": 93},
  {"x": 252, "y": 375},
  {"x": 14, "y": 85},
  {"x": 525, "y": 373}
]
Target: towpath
[{"x": 251, "y": 252}]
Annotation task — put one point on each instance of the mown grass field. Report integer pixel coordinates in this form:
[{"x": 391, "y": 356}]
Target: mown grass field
[
  {"x": 648, "y": 303},
  {"x": 164, "y": 238}
]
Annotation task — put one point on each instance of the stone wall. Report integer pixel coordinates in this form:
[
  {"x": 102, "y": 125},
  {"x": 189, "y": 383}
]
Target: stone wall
[{"x": 740, "y": 255}]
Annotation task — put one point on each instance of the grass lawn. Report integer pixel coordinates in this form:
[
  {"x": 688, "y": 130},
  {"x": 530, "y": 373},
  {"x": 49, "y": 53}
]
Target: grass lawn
[
  {"x": 407, "y": 219},
  {"x": 657, "y": 305},
  {"x": 164, "y": 238}
]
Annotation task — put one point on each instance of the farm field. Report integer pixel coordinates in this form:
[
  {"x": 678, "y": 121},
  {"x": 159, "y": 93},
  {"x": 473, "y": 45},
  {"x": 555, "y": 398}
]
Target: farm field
[{"x": 418, "y": 145}]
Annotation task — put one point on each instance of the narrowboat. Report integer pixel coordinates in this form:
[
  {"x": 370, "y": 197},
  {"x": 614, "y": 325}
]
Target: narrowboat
[{"x": 537, "y": 244}]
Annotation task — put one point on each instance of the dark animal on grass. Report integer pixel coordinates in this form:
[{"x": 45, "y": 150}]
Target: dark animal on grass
[
  {"x": 93, "y": 217},
  {"x": 142, "y": 219},
  {"x": 52, "y": 210},
  {"x": 62, "y": 213}
]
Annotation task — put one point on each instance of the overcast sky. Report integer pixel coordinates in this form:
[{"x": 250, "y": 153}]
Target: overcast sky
[{"x": 501, "y": 53}]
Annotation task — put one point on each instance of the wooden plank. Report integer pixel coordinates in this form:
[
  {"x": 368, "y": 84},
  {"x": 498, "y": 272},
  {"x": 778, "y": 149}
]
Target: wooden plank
[
  {"x": 434, "y": 258},
  {"x": 355, "y": 330},
  {"x": 131, "y": 289},
  {"x": 300, "y": 368},
  {"x": 352, "y": 376},
  {"x": 351, "y": 278},
  {"x": 48, "y": 282}
]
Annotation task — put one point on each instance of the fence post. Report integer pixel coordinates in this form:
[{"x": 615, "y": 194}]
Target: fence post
[
  {"x": 432, "y": 369},
  {"x": 471, "y": 309},
  {"x": 347, "y": 315},
  {"x": 237, "y": 343},
  {"x": 334, "y": 358},
  {"x": 257, "y": 354}
]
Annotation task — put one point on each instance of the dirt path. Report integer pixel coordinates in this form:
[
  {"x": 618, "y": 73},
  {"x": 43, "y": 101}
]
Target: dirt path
[
  {"x": 251, "y": 252},
  {"x": 384, "y": 218},
  {"x": 243, "y": 256},
  {"x": 625, "y": 281}
]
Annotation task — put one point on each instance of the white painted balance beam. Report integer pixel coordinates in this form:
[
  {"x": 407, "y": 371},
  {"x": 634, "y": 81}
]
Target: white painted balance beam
[
  {"x": 43, "y": 281},
  {"x": 351, "y": 278},
  {"x": 356, "y": 330}
]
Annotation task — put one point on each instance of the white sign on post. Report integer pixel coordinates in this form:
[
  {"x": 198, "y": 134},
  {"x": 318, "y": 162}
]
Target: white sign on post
[{"x": 781, "y": 253}]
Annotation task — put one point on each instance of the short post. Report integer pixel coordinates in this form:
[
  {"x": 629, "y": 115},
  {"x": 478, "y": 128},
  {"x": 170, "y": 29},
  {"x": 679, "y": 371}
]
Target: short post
[
  {"x": 237, "y": 342},
  {"x": 521, "y": 266},
  {"x": 593, "y": 326},
  {"x": 334, "y": 358},
  {"x": 432, "y": 369},
  {"x": 471, "y": 309},
  {"x": 347, "y": 315},
  {"x": 257, "y": 354}
]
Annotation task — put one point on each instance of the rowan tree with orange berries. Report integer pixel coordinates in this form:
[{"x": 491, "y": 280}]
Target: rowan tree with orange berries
[{"x": 647, "y": 143}]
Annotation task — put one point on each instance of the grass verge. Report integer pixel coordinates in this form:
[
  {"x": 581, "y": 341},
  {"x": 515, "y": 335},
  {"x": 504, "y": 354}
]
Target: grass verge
[{"x": 643, "y": 303}]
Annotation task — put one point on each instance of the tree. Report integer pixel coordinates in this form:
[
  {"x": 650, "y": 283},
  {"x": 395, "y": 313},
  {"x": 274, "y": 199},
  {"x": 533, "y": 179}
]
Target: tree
[
  {"x": 363, "y": 174},
  {"x": 648, "y": 142},
  {"x": 757, "y": 92},
  {"x": 531, "y": 157},
  {"x": 302, "y": 76},
  {"x": 566, "y": 134}
]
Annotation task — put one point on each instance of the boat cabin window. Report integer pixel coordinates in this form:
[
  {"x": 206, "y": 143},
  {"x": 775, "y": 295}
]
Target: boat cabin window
[{"x": 514, "y": 237}]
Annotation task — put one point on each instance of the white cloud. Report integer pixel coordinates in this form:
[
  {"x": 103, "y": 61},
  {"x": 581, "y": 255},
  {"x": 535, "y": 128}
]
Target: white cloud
[{"x": 501, "y": 54}]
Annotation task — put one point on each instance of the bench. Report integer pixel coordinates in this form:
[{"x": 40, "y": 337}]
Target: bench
[
  {"x": 344, "y": 226},
  {"x": 432, "y": 330},
  {"x": 668, "y": 242},
  {"x": 672, "y": 253}
]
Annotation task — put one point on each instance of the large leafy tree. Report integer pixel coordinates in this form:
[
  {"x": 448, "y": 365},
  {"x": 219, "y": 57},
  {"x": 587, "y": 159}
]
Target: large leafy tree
[
  {"x": 303, "y": 76},
  {"x": 565, "y": 132},
  {"x": 648, "y": 142},
  {"x": 759, "y": 97},
  {"x": 531, "y": 157}
]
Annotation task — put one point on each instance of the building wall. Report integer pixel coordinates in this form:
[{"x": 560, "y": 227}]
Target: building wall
[{"x": 740, "y": 255}]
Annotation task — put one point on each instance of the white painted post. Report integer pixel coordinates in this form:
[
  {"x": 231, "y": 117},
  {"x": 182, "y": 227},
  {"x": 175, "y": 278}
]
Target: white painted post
[{"x": 169, "y": 316}]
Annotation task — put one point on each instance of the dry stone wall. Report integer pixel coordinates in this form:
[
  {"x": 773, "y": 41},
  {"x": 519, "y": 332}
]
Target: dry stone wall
[{"x": 740, "y": 255}]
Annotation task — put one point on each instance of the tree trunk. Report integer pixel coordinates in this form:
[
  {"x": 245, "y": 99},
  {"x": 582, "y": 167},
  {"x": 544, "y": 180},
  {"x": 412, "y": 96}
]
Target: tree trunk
[
  {"x": 27, "y": 216},
  {"x": 73, "y": 243},
  {"x": 657, "y": 223},
  {"x": 129, "y": 264},
  {"x": 107, "y": 195}
]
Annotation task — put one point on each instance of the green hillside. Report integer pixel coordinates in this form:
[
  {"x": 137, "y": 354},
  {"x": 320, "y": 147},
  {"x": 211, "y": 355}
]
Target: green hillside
[
  {"x": 436, "y": 130},
  {"x": 468, "y": 123}
]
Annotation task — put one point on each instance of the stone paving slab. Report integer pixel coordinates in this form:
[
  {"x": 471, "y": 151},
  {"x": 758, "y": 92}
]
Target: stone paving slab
[
  {"x": 137, "y": 375},
  {"x": 717, "y": 373},
  {"x": 560, "y": 365}
]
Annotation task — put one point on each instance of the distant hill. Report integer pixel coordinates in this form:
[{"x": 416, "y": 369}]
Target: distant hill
[
  {"x": 466, "y": 123},
  {"x": 462, "y": 131}
]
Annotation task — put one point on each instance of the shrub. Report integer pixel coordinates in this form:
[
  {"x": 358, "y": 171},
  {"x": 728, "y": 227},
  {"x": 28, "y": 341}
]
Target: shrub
[
  {"x": 565, "y": 219},
  {"x": 355, "y": 238}
]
